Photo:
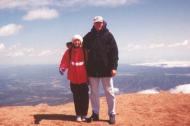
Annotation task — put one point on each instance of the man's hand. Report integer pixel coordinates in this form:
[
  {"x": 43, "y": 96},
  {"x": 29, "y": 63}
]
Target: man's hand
[
  {"x": 113, "y": 72},
  {"x": 61, "y": 71}
]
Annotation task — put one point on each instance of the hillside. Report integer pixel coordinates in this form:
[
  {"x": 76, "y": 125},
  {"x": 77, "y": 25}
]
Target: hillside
[{"x": 163, "y": 109}]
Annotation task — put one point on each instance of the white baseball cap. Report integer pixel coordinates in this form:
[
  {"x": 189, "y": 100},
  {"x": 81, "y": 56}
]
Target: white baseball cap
[
  {"x": 98, "y": 19},
  {"x": 77, "y": 36}
]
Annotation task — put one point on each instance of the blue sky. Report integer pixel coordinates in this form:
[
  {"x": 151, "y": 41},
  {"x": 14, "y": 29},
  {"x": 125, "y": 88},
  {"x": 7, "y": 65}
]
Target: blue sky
[{"x": 146, "y": 31}]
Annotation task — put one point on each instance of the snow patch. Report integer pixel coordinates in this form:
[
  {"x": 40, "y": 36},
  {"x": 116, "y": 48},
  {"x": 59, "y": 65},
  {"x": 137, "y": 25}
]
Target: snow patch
[
  {"x": 116, "y": 90},
  {"x": 166, "y": 64},
  {"x": 149, "y": 91},
  {"x": 181, "y": 89}
]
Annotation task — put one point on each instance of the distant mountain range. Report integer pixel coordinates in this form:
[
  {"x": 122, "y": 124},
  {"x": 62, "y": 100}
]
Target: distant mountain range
[{"x": 34, "y": 84}]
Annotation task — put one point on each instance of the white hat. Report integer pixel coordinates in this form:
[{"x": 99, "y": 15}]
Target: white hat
[
  {"x": 98, "y": 19},
  {"x": 77, "y": 37}
]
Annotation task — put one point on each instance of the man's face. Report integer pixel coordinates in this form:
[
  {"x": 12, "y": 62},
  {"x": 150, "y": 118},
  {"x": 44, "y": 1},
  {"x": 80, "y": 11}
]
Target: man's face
[
  {"x": 98, "y": 26},
  {"x": 77, "y": 43}
]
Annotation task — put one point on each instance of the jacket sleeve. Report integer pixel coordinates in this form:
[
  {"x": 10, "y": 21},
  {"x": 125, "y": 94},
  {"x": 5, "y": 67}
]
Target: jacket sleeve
[
  {"x": 65, "y": 60},
  {"x": 113, "y": 53}
]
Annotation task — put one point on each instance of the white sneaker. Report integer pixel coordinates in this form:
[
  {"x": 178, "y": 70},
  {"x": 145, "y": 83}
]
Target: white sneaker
[
  {"x": 83, "y": 118},
  {"x": 78, "y": 119}
]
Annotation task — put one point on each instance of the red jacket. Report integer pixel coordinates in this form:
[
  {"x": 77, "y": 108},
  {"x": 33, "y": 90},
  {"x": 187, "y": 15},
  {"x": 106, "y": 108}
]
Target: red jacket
[{"x": 76, "y": 65}]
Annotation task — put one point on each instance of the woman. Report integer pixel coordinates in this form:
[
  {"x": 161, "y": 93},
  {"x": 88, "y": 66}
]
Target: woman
[{"x": 74, "y": 60}]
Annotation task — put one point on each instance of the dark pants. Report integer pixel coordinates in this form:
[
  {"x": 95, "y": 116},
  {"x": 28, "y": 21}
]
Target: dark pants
[{"x": 81, "y": 98}]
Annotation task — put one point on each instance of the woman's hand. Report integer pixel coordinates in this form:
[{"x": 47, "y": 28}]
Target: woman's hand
[{"x": 61, "y": 71}]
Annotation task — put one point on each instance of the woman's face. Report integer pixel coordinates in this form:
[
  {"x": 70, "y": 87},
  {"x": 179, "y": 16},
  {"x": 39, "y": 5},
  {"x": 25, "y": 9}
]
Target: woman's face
[
  {"x": 76, "y": 43},
  {"x": 98, "y": 26}
]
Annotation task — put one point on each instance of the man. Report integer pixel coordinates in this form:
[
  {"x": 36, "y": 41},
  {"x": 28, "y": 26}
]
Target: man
[{"x": 101, "y": 66}]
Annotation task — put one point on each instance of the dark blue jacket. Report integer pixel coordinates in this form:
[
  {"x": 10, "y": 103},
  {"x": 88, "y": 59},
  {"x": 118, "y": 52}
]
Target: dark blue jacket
[{"x": 102, "y": 52}]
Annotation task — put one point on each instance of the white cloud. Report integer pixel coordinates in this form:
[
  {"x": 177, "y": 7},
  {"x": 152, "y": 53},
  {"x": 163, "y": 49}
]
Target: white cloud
[
  {"x": 181, "y": 89},
  {"x": 2, "y": 46},
  {"x": 45, "y": 53},
  {"x": 16, "y": 54},
  {"x": 33, "y": 4},
  {"x": 149, "y": 91},
  {"x": 18, "y": 50},
  {"x": 20, "y": 54},
  {"x": 136, "y": 47},
  {"x": 112, "y": 3},
  {"x": 133, "y": 47},
  {"x": 10, "y": 29},
  {"x": 159, "y": 45},
  {"x": 41, "y": 14},
  {"x": 10, "y": 4},
  {"x": 185, "y": 43},
  {"x": 24, "y": 4}
]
